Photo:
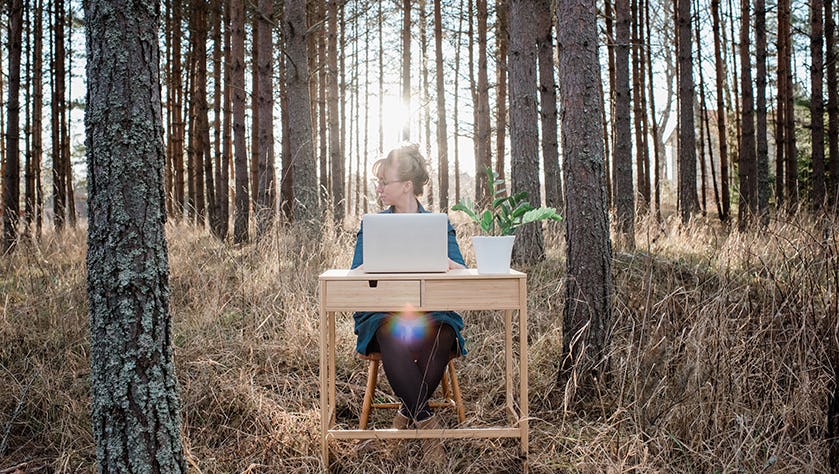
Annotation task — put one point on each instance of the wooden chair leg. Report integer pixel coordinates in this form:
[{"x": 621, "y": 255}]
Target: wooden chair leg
[
  {"x": 372, "y": 375},
  {"x": 458, "y": 401},
  {"x": 444, "y": 384}
]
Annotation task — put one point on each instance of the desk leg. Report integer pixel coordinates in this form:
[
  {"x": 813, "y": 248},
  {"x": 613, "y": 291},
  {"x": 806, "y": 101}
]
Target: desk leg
[
  {"x": 332, "y": 398},
  {"x": 523, "y": 394},
  {"x": 324, "y": 387},
  {"x": 508, "y": 361}
]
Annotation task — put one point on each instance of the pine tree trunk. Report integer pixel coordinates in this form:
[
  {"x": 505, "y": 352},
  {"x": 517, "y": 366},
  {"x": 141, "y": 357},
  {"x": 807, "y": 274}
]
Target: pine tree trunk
[
  {"x": 547, "y": 102},
  {"x": 223, "y": 196},
  {"x": 237, "y": 83},
  {"x": 304, "y": 176},
  {"x": 622, "y": 166},
  {"x": 178, "y": 125},
  {"x": 37, "y": 113},
  {"x": 59, "y": 185},
  {"x": 336, "y": 155},
  {"x": 655, "y": 131},
  {"x": 11, "y": 173},
  {"x": 524, "y": 137},
  {"x": 816, "y": 102},
  {"x": 704, "y": 132},
  {"x": 483, "y": 138},
  {"x": 747, "y": 157},
  {"x": 286, "y": 179},
  {"x": 761, "y": 131},
  {"x": 637, "y": 107},
  {"x": 265, "y": 207},
  {"x": 406, "y": 67},
  {"x": 65, "y": 125},
  {"x": 502, "y": 37},
  {"x": 832, "y": 103},
  {"x": 218, "y": 184},
  {"x": 455, "y": 109},
  {"x": 688, "y": 203},
  {"x": 587, "y": 312},
  {"x": 442, "y": 132},
  {"x": 790, "y": 149},
  {"x": 781, "y": 113},
  {"x": 136, "y": 424}
]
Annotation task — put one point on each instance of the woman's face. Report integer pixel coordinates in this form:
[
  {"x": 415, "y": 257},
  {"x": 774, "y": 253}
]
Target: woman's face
[{"x": 391, "y": 189}]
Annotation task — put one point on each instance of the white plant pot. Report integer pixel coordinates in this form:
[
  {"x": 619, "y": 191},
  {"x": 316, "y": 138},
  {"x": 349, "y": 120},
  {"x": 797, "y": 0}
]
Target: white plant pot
[{"x": 493, "y": 253}]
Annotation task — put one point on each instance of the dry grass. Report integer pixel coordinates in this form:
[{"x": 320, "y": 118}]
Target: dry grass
[{"x": 720, "y": 357}]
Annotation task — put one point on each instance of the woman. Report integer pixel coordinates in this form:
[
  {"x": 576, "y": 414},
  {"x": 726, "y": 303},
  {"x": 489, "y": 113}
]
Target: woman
[{"x": 414, "y": 360}]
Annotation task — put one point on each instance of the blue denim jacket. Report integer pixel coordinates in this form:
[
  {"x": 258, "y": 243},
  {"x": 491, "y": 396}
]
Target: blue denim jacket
[{"x": 366, "y": 323}]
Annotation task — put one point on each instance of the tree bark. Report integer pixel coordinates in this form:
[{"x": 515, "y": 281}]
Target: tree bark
[
  {"x": 336, "y": 155},
  {"x": 524, "y": 137},
  {"x": 624, "y": 194},
  {"x": 223, "y": 196},
  {"x": 59, "y": 169},
  {"x": 747, "y": 157},
  {"x": 762, "y": 172},
  {"x": 502, "y": 38},
  {"x": 790, "y": 149},
  {"x": 722, "y": 129},
  {"x": 816, "y": 102},
  {"x": 266, "y": 194},
  {"x": 688, "y": 202},
  {"x": 237, "y": 83},
  {"x": 286, "y": 179},
  {"x": 547, "y": 103},
  {"x": 483, "y": 138},
  {"x": 587, "y": 312},
  {"x": 304, "y": 176},
  {"x": 11, "y": 174},
  {"x": 442, "y": 132},
  {"x": 832, "y": 103},
  {"x": 406, "y": 68},
  {"x": 136, "y": 423},
  {"x": 37, "y": 114}
]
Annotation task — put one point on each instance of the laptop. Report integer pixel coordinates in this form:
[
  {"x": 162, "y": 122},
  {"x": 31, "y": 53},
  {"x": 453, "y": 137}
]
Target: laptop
[{"x": 405, "y": 243}]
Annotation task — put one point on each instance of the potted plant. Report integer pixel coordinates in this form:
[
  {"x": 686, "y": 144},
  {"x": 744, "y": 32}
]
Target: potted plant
[{"x": 498, "y": 222}]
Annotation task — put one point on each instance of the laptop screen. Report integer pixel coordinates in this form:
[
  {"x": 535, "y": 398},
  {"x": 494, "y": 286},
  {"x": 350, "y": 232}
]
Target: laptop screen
[{"x": 405, "y": 243}]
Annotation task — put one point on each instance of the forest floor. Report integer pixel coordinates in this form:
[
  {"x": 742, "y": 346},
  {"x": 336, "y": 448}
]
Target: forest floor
[{"x": 722, "y": 356}]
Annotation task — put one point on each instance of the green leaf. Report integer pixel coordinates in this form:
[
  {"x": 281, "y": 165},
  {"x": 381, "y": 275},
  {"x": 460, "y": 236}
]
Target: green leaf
[
  {"x": 540, "y": 214},
  {"x": 486, "y": 221}
]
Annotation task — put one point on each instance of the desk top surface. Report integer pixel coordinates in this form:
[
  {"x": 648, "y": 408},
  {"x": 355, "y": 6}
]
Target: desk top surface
[{"x": 466, "y": 274}]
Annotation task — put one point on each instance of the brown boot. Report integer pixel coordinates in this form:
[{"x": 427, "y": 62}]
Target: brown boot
[
  {"x": 434, "y": 454},
  {"x": 400, "y": 421},
  {"x": 398, "y": 446}
]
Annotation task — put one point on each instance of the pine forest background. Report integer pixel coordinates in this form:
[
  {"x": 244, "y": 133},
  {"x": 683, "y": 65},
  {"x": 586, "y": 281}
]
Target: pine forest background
[{"x": 720, "y": 132}]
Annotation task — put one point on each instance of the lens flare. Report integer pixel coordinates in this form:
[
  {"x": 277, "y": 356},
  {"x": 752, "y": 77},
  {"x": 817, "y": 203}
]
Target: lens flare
[{"x": 408, "y": 325}]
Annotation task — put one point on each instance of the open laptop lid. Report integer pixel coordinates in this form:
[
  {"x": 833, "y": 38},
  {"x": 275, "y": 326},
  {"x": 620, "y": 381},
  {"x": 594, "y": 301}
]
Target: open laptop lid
[{"x": 405, "y": 242}]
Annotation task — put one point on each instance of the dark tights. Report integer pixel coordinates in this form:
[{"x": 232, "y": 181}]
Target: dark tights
[{"x": 414, "y": 368}]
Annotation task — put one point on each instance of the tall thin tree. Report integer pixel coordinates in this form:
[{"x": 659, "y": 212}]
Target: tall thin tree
[
  {"x": 134, "y": 402},
  {"x": 688, "y": 201},
  {"x": 11, "y": 175},
  {"x": 624, "y": 194},
  {"x": 547, "y": 103},
  {"x": 237, "y": 83},
  {"x": 406, "y": 68},
  {"x": 483, "y": 138},
  {"x": 306, "y": 207},
  {"x": 265, "y": 200},
  {"x": 502, "y": 38},
  {"x": 816, "y": 101},
  {"x": 336, "y": 155},
  {"x": 832, "y": 102},
  {"x": 524, "y": 139},
  {"x": 761, "y": 130},
  {"x": 442, "y": 131},
  {"x": 587, "y": 312},
  {"x": 747, "y": 170},
  {"x": 722, "y": 128}
]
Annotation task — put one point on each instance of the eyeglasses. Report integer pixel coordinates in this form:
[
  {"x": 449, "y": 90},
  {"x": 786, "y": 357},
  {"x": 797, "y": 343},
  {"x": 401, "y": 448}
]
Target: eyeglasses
[{"x": 380, "y": 183}]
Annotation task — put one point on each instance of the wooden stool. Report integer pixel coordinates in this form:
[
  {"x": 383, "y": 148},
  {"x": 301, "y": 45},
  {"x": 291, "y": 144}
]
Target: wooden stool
[{"x": 449, "y": 385}]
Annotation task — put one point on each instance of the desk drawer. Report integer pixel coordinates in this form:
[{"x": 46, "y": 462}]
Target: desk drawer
[
  {"x": 471, "y": 294},
  {"x": 371, "y": 295}
]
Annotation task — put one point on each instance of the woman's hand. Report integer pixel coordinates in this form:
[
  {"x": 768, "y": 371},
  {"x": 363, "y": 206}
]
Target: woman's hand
[{"x": 454, "y": 265}]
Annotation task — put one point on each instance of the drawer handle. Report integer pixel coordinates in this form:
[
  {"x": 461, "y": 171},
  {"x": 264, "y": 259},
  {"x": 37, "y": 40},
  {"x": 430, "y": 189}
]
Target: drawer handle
[{"x": 373, "y": 283}]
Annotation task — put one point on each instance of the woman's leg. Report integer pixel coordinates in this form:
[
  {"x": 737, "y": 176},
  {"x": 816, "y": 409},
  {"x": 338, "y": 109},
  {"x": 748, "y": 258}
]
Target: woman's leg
[{"x": 415, "y": 368}]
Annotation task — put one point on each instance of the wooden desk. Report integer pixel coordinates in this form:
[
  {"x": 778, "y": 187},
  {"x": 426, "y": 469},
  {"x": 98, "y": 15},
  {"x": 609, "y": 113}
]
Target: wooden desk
[{"x": 456, "y": 290}]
